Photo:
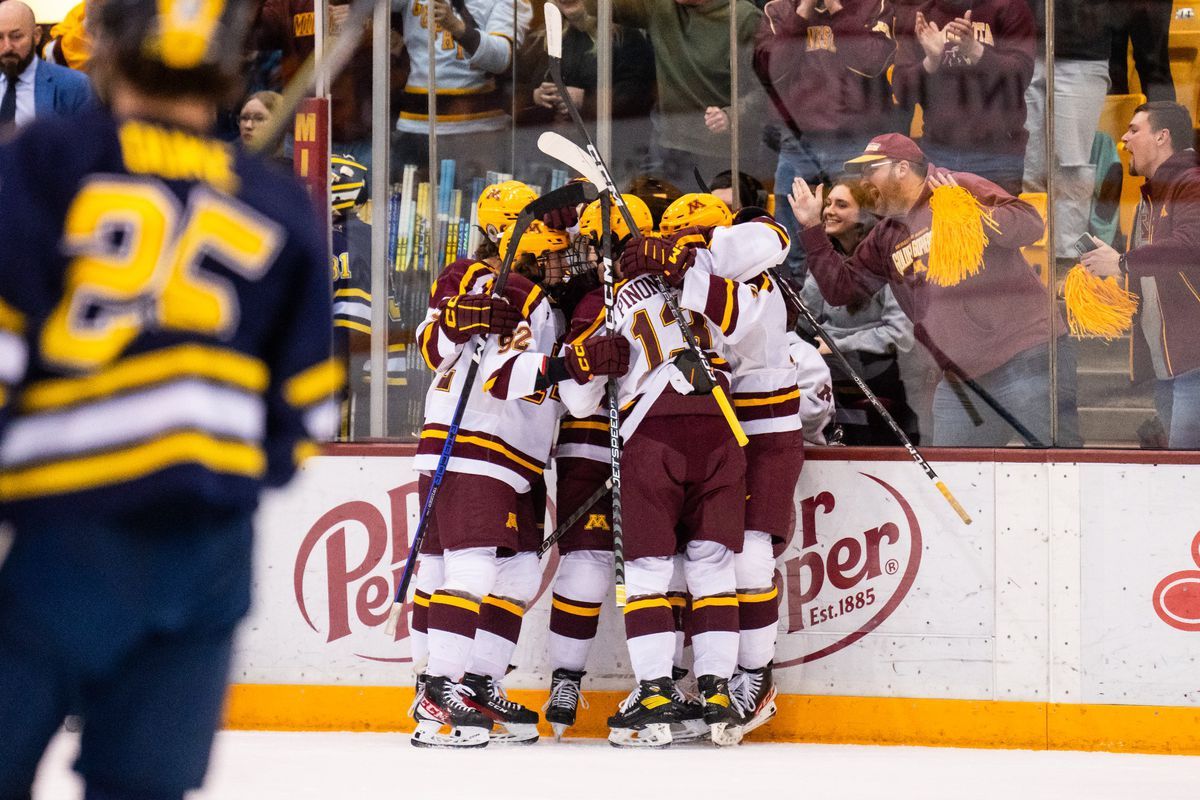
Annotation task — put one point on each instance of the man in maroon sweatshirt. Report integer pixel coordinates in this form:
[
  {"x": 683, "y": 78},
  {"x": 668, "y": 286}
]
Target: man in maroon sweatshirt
[
  {"x": 968, "y": 64},
  {"x": 824, "y": 65},
  {"x": 993, "y": 327},
  {"x": 1161, "y": 265}
]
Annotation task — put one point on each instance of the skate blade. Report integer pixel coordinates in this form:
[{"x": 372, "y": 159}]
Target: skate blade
[
  {"x": 688, "y": 730},
  {"x": 656, "y": 735},
  {"x": 763, "y": 716},
  {"x": 429, "y": 734},
  {"x": 513, "y": 733},
  {"x": 559, "y": 729},
  {"x": 725, "y": 735}
]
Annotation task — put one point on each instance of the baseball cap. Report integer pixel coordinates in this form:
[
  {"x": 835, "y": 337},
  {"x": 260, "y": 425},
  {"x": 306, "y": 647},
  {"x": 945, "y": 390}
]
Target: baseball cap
[{"x": 894, "y": 146}]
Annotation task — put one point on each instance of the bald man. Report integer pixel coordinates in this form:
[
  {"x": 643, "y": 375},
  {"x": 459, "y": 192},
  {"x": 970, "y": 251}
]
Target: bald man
[{"x": 30, "y": 87}]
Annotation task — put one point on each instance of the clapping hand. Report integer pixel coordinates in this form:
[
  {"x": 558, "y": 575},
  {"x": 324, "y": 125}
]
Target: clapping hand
[{"x": 806, "y": 205}]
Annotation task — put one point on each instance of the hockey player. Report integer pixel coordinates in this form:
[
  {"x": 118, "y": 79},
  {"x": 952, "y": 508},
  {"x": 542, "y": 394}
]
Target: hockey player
[
  {"x": 585, "y": 568},
  {"x": 689, "y": 478},
  {"x": 164, "y": 352},
  {"x": 730, "y": 285},
  {"x": 488, "y": 567},
  {"x": 351, "y": 240}
]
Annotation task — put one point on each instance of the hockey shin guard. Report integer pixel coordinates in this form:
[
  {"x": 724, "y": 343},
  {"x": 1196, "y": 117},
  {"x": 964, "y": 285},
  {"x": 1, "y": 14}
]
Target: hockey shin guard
[
  {"x": 649, "y": 623},
  {"x": 584, "y": 579},
  {"x": 711, "y": 581},
  {"x": 758, "y": 601}
]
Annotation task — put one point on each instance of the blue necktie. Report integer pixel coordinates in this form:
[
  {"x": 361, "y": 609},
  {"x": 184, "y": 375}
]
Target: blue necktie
[{"x": 8, "y": 106}]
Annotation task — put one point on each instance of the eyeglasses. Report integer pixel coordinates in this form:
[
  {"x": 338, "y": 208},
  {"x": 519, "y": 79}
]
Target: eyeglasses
[
  {"x": 869, "y": 168},
  {"x": 257, "y": 119}
]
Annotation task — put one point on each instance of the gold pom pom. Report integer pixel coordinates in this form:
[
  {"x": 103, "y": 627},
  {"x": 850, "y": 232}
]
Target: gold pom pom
[
  {"x": 1097, "y": 307},
  {"x": 957, "y": 238}
]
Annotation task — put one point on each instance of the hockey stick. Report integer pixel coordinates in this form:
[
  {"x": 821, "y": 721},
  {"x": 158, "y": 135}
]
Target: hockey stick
[
  {"x": 794, "y": 298},
  {"x": 329, "y": 66},
  {"x": 565, "y": 525},
  {"x": 572, "y": 194},
  {"x": 610, "y": 389}
]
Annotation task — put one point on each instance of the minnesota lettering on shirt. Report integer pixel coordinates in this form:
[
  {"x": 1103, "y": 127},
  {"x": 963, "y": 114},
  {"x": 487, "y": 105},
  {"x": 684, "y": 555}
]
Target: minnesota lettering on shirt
[{"x": 910, "y": 255}]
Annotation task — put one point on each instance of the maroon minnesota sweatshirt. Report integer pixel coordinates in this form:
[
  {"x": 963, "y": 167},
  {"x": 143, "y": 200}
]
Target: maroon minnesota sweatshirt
[
  {"x": 979, "y": 106},
  {"x": 828, "y": 74},
  {"x": 977, "y": 325}
]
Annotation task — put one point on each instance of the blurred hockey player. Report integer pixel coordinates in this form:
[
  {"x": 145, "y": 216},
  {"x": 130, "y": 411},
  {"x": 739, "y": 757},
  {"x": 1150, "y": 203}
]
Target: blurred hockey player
[
  {"x": 730, "y": 285},
  {"x": 484, "y": 525},
  {"x": 686, "y": 491},
  {"x": 585, "y": 567},
  {"x": 351, "y": 244},
  {"x": 165, "y": 337}
]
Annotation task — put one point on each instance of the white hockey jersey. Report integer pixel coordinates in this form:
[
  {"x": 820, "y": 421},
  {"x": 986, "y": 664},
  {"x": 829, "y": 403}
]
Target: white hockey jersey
[
  {"x": 816, "y": 389},
  {"x": 644, "y": 318},
  {"x": 507, "y": 429},
  {"x": 469, "y": 100},
  {"x": 729, "y": 285}
]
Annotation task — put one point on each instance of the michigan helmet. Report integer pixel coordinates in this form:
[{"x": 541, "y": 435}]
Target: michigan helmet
[
  {"x": 538, "y": 240},
  {"x": 499, "y": 205},
  {"x": 347, "y": 182},
  {"x": 173, "y": 47},
  {"x": 703, "y": 210},
  {"x": 590, "y": 221}
]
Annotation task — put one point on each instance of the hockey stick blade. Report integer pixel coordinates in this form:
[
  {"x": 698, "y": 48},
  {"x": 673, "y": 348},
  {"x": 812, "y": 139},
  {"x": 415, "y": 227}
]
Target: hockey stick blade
[
  {"x": 554, "y": 29},
  {"x": 563, "y": 149},
  {"x": 570, "y": 194}
]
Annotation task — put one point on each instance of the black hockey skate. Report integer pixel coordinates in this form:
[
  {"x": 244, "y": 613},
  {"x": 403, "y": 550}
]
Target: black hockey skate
[
  {"x": 719, "y": 712},
  {"x": 565, "y": 698},
  {"x": 644, "y": 718},
  {"x": 691, "y": 725},
  {"x": 754, "y": 695},
  {"x": 418, "y": 695},
  {"x": 444, "y": 704},
  {"x": 514, "y": 723}
]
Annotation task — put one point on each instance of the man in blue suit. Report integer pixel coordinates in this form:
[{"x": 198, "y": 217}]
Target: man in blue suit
[{"x": 30, "y": 87}]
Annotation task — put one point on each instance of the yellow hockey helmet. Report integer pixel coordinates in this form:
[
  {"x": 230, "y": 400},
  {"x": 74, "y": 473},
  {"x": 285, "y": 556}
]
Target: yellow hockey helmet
[
  {"x": 499, "y": 205},
  {"x": 538, "y": 240},
  {"x": 347, "y": 182},
  {"x": 705, "y": 210},
  {"x": 589, "y": 223}
]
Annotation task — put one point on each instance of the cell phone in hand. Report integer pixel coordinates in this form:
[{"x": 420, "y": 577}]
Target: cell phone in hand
[{"x": 1084, "y": 244}]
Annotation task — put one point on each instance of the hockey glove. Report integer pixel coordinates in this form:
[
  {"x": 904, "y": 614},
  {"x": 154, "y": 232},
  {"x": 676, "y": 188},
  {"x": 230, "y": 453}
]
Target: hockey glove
[
  {"x": 561, "y": 218},
  {"x": 465, "y": 315},
  {"x": 651, "y": 254},
  {"x": 603, "y": 355}
]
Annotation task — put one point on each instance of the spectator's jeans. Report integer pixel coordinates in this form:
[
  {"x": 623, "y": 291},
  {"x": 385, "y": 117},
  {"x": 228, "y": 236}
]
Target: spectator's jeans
[
  {"x": 1178, "y": 401},
  {"x": 1022, "y": 388},
  {"x": 813, "y": 158},
  {"x": 1079, "y": 91},
  {"x": 1003, "y": 169}
]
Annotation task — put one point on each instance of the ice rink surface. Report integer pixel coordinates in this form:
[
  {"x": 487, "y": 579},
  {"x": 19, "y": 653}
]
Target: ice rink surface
[{"x": 349, "y": 766}]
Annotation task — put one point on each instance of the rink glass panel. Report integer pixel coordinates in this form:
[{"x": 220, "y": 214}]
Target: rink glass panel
[{"x": 640, "y": 134}]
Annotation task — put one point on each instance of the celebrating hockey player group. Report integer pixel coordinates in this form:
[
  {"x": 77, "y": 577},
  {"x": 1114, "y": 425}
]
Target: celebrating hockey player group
[{"x": 702, "y": 515}]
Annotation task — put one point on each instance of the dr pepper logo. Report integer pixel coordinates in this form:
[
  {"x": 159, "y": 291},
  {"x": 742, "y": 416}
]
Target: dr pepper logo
[
  {"x": 1177, "y": 596},
  {"x": 842, "y": 582},
  {"x": 348, "y": 566}
]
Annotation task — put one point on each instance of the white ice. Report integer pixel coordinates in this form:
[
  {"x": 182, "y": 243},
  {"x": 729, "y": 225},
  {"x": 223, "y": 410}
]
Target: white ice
[{"x": 350, "y": 766}]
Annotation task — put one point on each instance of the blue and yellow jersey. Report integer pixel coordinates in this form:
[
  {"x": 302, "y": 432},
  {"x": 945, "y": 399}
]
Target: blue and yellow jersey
[{"x": 164, "y": 321}]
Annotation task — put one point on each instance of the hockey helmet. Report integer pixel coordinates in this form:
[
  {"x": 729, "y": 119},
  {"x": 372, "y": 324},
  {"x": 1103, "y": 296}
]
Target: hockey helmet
[
  {"x": 546, "y": 247},
  {"x": 698, "y": 209},
  {"x": 499, "y": 205},
  {"x": 590, "y": 220},
  {"x": 347, "y": 182},
  {"x": 172, "y": 47}
]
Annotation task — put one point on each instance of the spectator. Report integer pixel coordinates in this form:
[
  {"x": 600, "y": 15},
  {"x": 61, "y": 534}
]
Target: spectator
[
  {"x": 30, "y": 87},
  {"x": 474, "y": 54},
  {"x": 1082, "y": 41},
  {"x": 70, "y": 45},
  {"x": 691, "y": 55},
  {"x": 289, "y": 26},
  {"x": 991, "y": 327},
  {"x": 1147, "y": 24},
  {"x": 539, "y": 105},
  {"x": 871, "y": 333},
  {"x": 256, "y": 113},
  {"x": 824, "y": 67},
  {"x": 750, "y": 191},
  {"x": 968, "y": 65},
  {"x": 1161, "y": 265}
]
